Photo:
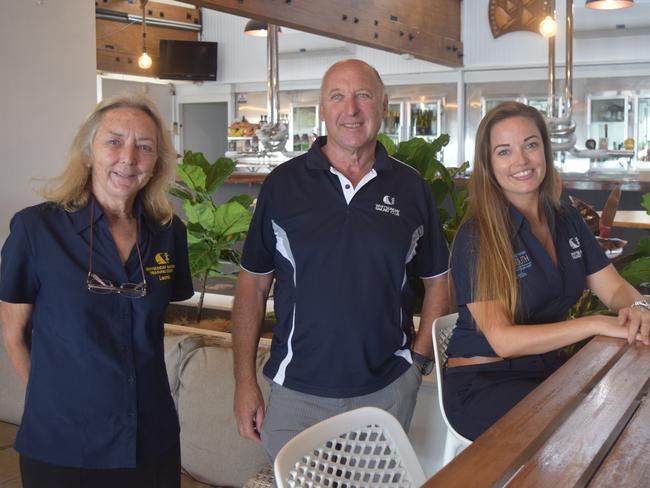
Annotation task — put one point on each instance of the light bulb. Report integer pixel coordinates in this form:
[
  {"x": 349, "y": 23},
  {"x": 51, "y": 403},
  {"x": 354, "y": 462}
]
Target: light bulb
[
  {"x": 144, "y": 61},
  {"x": 548, "y": 27}
]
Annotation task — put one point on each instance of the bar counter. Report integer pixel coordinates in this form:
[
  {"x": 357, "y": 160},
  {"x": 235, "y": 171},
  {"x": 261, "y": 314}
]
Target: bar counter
[{"x": 571, "y": 181}]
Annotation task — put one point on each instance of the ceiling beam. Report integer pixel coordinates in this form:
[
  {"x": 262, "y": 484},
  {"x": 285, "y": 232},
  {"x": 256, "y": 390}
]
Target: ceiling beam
[{"x": 426, "y": 29}]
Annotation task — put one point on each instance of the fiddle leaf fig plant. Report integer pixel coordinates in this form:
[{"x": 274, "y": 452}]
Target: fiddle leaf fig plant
[
  {"x": 423, "y": 156},
  {"x": 213, "y": 230}
]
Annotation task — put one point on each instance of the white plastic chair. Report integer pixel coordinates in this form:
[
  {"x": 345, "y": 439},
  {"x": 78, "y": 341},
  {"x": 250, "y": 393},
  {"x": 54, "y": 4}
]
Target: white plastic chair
[
  {"x": 366, "y": 447},
  {"x": 442, "y": 330}
]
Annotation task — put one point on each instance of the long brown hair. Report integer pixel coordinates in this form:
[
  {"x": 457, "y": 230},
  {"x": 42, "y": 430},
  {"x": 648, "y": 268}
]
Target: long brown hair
[
  {"x": 72, "y": 188},
  {"x": 494, "y": 274}
]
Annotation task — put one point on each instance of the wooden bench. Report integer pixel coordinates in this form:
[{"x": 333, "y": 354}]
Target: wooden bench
[{"x": 586, "y": 425}]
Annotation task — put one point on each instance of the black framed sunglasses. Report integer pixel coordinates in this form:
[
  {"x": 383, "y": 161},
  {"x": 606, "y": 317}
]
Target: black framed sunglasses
[{"x": 102, "y": 286}]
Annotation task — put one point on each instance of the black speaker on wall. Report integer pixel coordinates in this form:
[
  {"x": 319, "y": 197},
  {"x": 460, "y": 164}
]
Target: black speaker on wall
[{"x": 188, "y": 60}]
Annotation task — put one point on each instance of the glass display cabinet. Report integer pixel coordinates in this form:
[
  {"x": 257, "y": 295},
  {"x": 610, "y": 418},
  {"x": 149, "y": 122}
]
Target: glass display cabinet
[
  {"x": 642, "y": 130},
  {"x": 607, "y": 120},
  {"x": 488, "y": 104},
  {"x": 392, "y": 125},
  {"x": 304, "y": 127},
  {"x": 539, "y": 103},
  {"x": 424, "y": 119}
]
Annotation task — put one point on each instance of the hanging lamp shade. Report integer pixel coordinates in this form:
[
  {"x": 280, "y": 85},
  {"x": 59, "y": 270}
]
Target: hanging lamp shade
[
  {"x": 257, "y": 28},
  {"x": 608, "y": 4}
]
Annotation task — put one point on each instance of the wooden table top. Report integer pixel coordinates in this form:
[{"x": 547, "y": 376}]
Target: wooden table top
[
  {"x": 586, "y": 425},
  {"x": 632, "y": 219}
]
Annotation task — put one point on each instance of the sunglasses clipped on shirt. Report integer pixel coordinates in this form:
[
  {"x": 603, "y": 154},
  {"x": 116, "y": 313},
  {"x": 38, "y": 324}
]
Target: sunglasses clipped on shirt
[{"x": 102, "y": 286}]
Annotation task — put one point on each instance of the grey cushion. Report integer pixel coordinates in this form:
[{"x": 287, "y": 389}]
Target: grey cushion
[
  {"x": 12, "y": 391},
  {"x": 176, "y": 348},
  {"x": 211, "y": 449}
]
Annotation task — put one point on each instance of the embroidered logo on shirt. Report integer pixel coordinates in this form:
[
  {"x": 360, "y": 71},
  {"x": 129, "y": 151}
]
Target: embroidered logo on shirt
[
  {"x": 162, "y": 258},
  {"x": 522, "y": 263},
  {"x": 574, "y": 243},
  {"x": 164, "y": 268},
  {"x": 387, "y": 206}
]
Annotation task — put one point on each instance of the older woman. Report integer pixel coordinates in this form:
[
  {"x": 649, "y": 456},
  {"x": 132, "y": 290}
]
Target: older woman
[
  {"x": 519, "y": 262},
  {"x": 85, "y": 281}
]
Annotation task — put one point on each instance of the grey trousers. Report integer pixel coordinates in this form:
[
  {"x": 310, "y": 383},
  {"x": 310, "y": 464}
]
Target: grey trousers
[{"x": 289, "y": 412}]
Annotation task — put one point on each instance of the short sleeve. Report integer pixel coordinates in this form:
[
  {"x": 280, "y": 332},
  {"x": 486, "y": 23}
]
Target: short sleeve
[
  {"x": 463, "y": 262},
  {"x": 259, "y": 247},
  {"x": 183, "y": 288},
  {"x": 593, "y": 256},
  {"x": 432, "y": 257},
  {"x": 18, "y": 279}
]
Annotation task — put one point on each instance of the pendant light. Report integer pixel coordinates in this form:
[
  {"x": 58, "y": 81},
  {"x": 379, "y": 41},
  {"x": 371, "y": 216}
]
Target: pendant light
[
  {"x": 144, "y": 61},
  {"x": 608, "y": 4},
  {"x": 257, "y": 28}
]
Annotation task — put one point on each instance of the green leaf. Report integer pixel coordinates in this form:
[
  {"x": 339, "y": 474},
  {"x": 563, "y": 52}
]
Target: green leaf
[
  {"x": 193, "y": 176},
  {"x": 645, "y": 202},
  {"x": 388, "y": 144},
  {"x": 637, "y": 272},
  {"x": 196, "y": 159},
  {"x": 231, "y": 218},
  {"x": 180, "y": 192},
  {"x": 196, "y": 212},
  {"x": 440, "y": 190},
  {"x": 441, "y": 141},
  {"x": 219, "y": 173},
  {"x": 643, "y": 247},
  {"x": 244, "y": 200}
]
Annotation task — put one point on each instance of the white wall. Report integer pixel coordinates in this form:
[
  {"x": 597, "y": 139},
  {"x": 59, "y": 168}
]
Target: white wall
[{"x": 47, "y": 54}]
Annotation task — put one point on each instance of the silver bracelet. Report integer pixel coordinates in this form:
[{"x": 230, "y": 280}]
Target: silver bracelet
[{"x": 641, "y": 303}]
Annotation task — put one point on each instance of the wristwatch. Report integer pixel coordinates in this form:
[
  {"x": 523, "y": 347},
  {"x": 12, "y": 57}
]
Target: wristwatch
[
  {"x": 641, "y": 303},
  {"x": 423, "y": 363}
]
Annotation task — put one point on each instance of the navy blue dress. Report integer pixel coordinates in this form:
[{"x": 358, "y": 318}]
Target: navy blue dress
[{"x": 477, "y": 396}]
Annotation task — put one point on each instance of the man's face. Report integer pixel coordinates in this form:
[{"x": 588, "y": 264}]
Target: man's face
[{"x": 353, "y": 106}]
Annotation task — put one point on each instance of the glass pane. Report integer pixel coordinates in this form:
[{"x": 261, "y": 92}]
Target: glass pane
[
  {"x": 424, "y": 119},
  {"x": 392, "y": 120}
]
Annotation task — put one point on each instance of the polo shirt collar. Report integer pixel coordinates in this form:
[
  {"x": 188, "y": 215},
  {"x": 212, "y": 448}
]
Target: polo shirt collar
[
  {"x": 81, "y": 218},
  {"x": 517, "y": 220},
  {"x": 316, "y": 158}
]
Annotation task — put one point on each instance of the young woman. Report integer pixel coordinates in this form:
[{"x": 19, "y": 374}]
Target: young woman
[{"x": 519, "y": 262}]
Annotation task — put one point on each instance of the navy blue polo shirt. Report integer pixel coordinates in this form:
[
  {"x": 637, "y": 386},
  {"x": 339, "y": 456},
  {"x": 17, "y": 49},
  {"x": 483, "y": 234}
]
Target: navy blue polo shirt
[
  {"x": 98, "y": 394},
  {"x": 547, "y": 291},
  {"x": 342, "y": 301}
]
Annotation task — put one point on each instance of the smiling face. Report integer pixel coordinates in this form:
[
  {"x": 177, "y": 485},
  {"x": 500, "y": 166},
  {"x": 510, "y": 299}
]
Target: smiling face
[
  {"x": 353, "y": 105},
  {"x": 124, "y": 155},
  {"x": 517, "y": 159}
]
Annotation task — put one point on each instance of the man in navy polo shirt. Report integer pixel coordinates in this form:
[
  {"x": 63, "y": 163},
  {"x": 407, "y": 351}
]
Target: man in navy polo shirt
[{"x": 338, "y": 228}]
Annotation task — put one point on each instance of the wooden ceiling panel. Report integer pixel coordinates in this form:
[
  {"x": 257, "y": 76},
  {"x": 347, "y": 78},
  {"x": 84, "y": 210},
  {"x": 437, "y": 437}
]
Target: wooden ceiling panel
[
  {"x": 426, "y": 29},
  {"x": 119, "y": 42}
]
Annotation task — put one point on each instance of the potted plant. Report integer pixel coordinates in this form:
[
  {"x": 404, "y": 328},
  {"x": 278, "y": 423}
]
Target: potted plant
[
  {"x": 423, "y": 156},
  {"x": 213, "y": 230},
  {"x": 450, "y": 200}
]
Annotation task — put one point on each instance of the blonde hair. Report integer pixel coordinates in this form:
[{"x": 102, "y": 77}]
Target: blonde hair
[
  {"x": 72, "y": 188},
  {"x": 494, "y": 275}
]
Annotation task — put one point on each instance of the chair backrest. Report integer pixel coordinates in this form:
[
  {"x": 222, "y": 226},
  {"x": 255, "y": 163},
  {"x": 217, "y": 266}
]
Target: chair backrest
[
  {"x": 360, "y": 448},
  {"x": 443, "y": 328}
]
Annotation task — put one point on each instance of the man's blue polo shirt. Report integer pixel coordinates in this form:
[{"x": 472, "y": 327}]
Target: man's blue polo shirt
[
  {"x": 98, "y": 395},
  {"x": 547, "y": 291},
  {"x": 342, "y": 301}
]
